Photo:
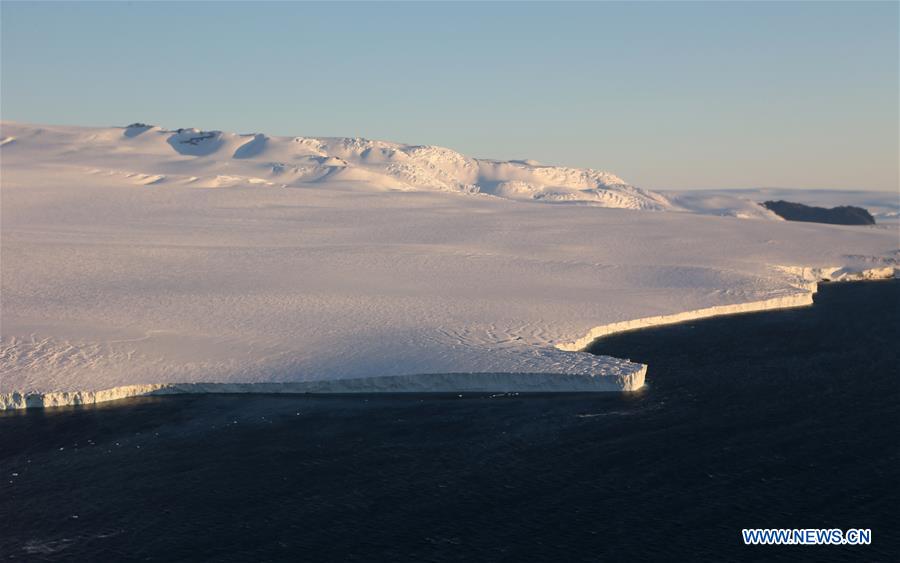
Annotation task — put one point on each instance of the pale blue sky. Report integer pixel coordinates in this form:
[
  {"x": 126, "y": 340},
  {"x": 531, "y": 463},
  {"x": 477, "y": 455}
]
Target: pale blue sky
[{"x": 673, "y": 95}]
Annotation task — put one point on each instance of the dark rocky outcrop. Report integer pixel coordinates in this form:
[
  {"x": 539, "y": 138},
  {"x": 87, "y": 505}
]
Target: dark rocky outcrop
[
  {"x": 136, "y": 129},
  {"x": 843, "y": 215}
]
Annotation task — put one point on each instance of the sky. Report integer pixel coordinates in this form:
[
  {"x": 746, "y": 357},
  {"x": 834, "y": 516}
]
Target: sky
[{"x": 665, "y": 95}]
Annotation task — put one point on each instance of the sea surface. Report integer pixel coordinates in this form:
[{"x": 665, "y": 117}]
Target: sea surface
[{"x": 777, "y": 419}]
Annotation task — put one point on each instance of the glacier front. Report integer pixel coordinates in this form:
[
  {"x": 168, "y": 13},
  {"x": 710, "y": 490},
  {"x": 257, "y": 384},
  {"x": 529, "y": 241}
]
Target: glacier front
[{"x": 138, "y": 260}]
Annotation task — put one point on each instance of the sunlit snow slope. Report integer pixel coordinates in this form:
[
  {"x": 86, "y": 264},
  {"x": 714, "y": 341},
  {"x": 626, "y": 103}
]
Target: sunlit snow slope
[
  {"x": 145, "y": 155},
  {"x": 139, "y": 257}
]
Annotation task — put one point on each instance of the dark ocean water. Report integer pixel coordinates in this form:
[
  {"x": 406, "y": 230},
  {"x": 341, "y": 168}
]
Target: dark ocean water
[{"x": 781, "y": 419}]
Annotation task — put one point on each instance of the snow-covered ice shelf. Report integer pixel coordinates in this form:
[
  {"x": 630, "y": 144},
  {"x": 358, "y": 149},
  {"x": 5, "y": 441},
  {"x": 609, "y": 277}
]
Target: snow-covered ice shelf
[{"x": 138, "y": 260}]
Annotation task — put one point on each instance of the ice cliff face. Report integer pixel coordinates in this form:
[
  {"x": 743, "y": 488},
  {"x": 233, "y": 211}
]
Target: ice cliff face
[{"x": 629, "y": 380}]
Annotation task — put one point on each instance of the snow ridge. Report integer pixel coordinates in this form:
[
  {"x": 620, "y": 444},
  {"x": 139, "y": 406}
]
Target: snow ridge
[{"x": 298, "y": 161}]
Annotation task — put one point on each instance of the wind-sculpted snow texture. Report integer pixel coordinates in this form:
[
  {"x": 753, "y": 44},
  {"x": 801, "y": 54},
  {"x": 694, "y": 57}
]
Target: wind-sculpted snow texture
[{"x": 321, "y": 261}]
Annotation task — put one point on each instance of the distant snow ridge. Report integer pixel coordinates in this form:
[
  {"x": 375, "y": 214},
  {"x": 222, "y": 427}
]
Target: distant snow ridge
[
  {"x": 295, "y": 161},
  {"x": 394, "y": 165}
]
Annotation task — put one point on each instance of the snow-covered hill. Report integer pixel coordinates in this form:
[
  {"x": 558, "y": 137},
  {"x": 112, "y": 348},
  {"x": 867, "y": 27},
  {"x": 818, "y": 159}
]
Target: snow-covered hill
[
  {"x": 151, "y": 155},
  {"x": 377, "y": 267}
]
